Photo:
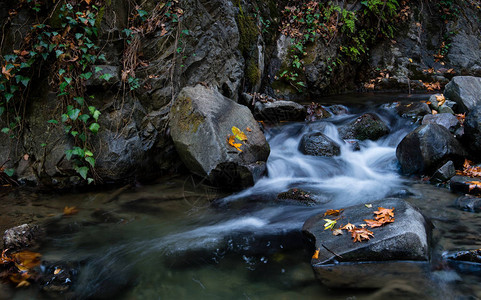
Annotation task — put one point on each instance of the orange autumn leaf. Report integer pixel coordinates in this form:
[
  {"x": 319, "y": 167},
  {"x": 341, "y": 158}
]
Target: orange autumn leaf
[
  {"x": 469, "y": 170},
  {"x": 26, "y": 260},
  {"x": 333, "y": 212},
  {"x": 384, "y": 212},
  {"x": 248, "y": 129},
  {"x": 316, "y": 254},
  {"x": 348, "y": 227},
  {"x": 68, "y": 211},
  {"x": 474, "y": 184},
  {"x": 441, "y": 99},
  {"x": 361, "y": 234},
  {"x": 231, "y": 141},
  {"x": 6, "y": 72}
]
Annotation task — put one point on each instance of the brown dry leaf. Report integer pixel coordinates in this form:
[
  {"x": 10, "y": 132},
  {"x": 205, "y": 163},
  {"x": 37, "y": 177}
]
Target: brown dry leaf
[
  {"x": 22, "y": 284},
  {"x": 461, "y": 118},
  {"x": 6, "y": 72},
  {"x": 374, "y": 223},
  {"x": 231, "y": 141},
  {"x": 25, "y": 157},
  {"x": 384, "y": 212},
  {"x": 469, "y": 170},
  {"x": 333, "y": 212},
  {"x": 361, "y": 234},
  {"x": 248, "y": 129},
  {"x": 316, "y": 254},
  {"x": 441, "y": 99},
  {"x": 434, "y": 112},
  {"x": 337, "y": 232},
  {"x": 349, "y": 227},
  {"x": 68, "y": 211},
  {"x": 26, "y": 260}
]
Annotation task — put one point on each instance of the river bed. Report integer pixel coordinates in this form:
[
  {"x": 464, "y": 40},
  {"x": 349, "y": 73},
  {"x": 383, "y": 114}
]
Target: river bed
[{"x": 181, "y": 239}]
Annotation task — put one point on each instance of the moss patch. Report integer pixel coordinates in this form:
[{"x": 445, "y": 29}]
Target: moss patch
[
  {"x": 253, "y": 73},
  {"x": 188, "y": 119},
  {"x": 248, "y": 33}
]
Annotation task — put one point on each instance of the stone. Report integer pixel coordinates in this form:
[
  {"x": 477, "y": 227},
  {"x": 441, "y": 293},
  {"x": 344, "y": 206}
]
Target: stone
[
  {"x": 445, "y": 109},
  {"x": 22, "y": 237},
  {"x": 427, "y": 148},
  {"x": 296, "y": 195},
  {"x": 279, "y": 111},
  {"x": 318, "y": 144},
  {"x": 472, "y": 131},
  {"x": 413, "y": 110},
  {"x": 462, "y": 184},
  {"x": 340, "y": 261},
  {"x": 54, "y": 281},
  {"x": 316, "y": 111},
  {"x": 465, "y": 91},
  {"x": 201, "y": 119},
  {"x": 446, "y": 120},
  {"x": 443, "y": 174},
  {"x": 366, "y": 127},
  {"x": 338, "y": 109},
  {"x": 468, "y": 203}
]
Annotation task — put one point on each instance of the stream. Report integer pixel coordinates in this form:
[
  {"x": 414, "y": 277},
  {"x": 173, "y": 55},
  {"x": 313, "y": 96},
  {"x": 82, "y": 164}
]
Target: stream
[{"x": 181, "y": 239}]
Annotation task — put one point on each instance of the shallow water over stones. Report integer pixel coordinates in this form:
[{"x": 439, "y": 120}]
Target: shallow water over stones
[{"x": 181, "y": 239}]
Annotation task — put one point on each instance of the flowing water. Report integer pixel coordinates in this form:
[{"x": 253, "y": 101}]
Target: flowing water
[{"x": 181, "y": 239}]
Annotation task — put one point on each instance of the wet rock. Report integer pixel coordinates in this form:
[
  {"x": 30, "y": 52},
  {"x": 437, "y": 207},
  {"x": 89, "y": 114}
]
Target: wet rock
[
  {"x": 473, "y": 256},
  {"x": 443, "y": 174},
  {"x": 23, "y": 237},
  {"x": 296, "y": 195},
  {"x": 465, "y": 91},
  {"x": 338, "y": 263},
  {"x": 433, "y": 101},
  {"x": 201, "y": 119},
  {"x": 427, "y": 148},
  {"x": 367, "y": 127},
  {"x": 472, "y": 131},
  {"x": 279, "y": 111},
  {"x": 469, "y": 203},
  {"x": 338, "y": 109},
  {"x": 58, "y": 277},
  {"x": 464, "y": 184},
  {"x": 413, "y": 110},
  {"x": 318, "y": 144},
  {"x": 445, "y": 109},
  {"x": 446, "y": 120},
  {"x": 316, "y": 111}
]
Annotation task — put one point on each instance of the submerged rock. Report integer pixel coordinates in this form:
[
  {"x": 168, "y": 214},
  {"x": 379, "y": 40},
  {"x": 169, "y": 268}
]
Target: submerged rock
[
  {"x": 339, "y": 260},
  {"x": 428, "y": 148},
  {"x": 318, "y": 144},
  {"x": 201, "y": 121},
  {"x": 367, "y": 127},
  {"x": 58, "y": 277},
  {"x": 465, "y": 91},
  {"x": 296, "y": 195},
  {"x": 279, "y": 111},
  {"x": 21, "y": 237},
  {"x": 469, "y": 203}
]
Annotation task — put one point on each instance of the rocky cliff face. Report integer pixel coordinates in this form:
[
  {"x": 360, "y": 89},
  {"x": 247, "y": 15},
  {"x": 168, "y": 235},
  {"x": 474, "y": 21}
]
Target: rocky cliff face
[{"x": 228, "y": 46}]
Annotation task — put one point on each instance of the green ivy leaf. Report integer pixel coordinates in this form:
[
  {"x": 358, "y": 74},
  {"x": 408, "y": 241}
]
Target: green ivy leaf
[
  {"x": 82, "y": 136},
  {"x": 61, "y": 71},
  {"x": 68, "y": 80},
  {"x": 91, "y": 161},
  {"x": 94, "y": 127},
  {"x": 73, "y": 114},
  {"x": 84, "y": 118},
  {"x": 52, "y": 121},
  {"x": 9, "y": 172},
  {"x": 5, "y": 130},
  {"x": 90, "y": 180},
  {"x": 58, "y": 52},
  {"x": 82, "y": 171},
  {"x": 88, "y": 152},
  {"x": 8, "y": 96},
  {"x": 80, "y": 100},
  {"x": 86, "y": 76},
  {"x": 74, "y": 133}
]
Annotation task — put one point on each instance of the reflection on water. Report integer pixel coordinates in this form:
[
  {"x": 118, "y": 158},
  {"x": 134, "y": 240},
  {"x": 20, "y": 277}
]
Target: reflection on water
[{"x": 181, "y": 239}]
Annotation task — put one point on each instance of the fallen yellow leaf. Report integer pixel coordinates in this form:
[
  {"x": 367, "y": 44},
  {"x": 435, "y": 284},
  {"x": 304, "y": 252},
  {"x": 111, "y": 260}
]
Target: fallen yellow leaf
[
  {"x": 239, "y": 134},
  {"x": 68, "y": 211},
  {"x": 231, "y": 141}
]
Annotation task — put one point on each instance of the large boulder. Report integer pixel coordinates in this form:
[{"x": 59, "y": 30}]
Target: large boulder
[
  {"x": 201, "y": 120},
  {"x": 427, "y": 148},
  {"x": 278, "y": 111},
  {"x": 465, "y": 91},
  {"x": 318, "y": 144},
  {"x": 22, "y": 237},
  {"x": 366, "y": 127},
  {"x": 396, "y": 244},
  {"x": 445, "y": 119},
  {"x": 472, "y": 131}
]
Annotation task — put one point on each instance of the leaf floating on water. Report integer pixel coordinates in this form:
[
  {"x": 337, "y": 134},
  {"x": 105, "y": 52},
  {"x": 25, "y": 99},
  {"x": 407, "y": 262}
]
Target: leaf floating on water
[
  {"x": 231, "y": 141},
  {"x": 368, "y": 205},
  {"x": 56, "y": 271},
  {"x": 68, "y": 211},
  {"x": 333, "y": 212},
  {"x": 239, "y": 134},
  {"x": 316, "y": 254},
  {"x": 361, "y": 234},
  {"x": 329, "y": 224}
]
